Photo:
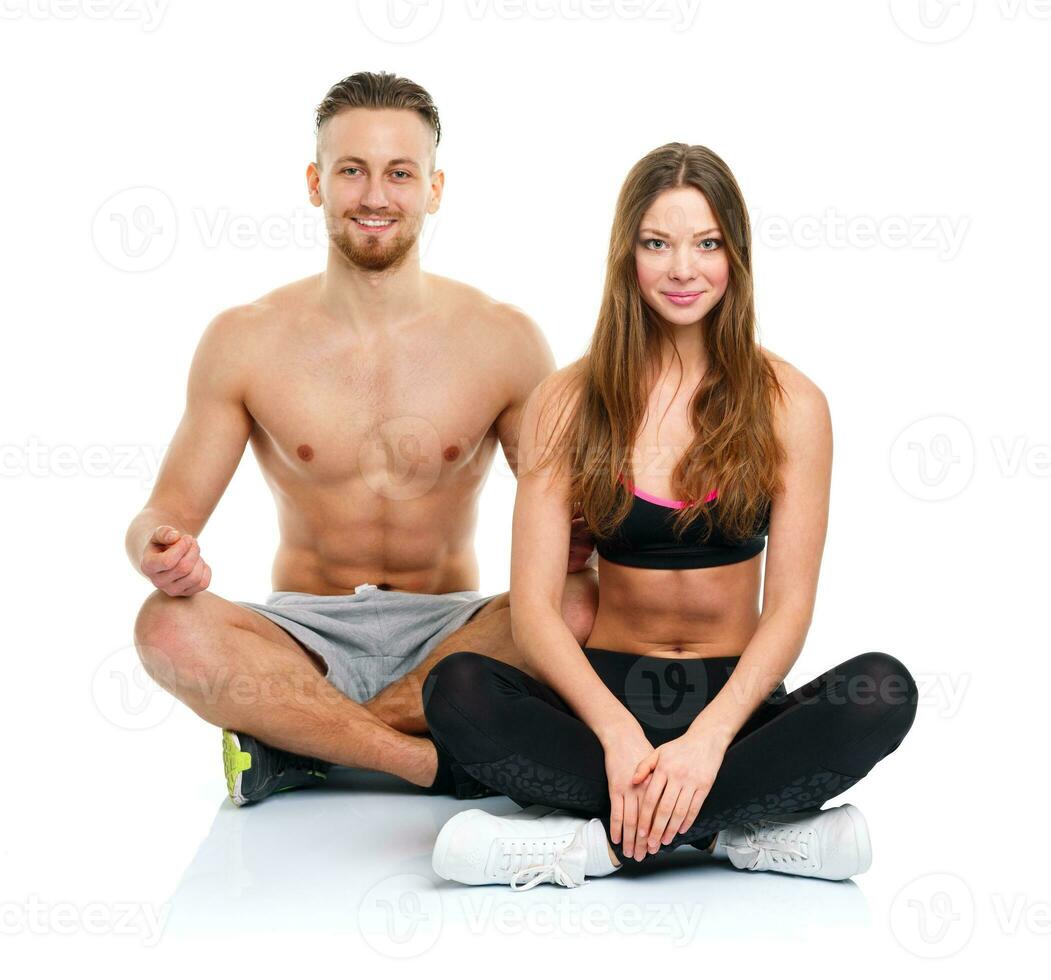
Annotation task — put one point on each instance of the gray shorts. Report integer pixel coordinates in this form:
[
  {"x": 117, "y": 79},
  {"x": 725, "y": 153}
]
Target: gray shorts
[{"x": 371, "y": 638}]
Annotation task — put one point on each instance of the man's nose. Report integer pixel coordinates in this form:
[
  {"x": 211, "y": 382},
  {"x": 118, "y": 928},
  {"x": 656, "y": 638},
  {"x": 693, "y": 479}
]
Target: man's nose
[{"x": 375, "y": 195}]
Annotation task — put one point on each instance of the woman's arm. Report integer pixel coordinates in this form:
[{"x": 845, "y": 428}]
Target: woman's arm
[
  {"x": 539, "y": 539},
  {"x": 539, "y": 542},
  {"x": 798, "y": 525}
]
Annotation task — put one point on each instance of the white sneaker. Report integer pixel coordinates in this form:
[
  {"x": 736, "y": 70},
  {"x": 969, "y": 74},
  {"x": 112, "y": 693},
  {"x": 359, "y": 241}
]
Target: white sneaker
[
  {"x": 832, "y": 843},
  {"x": 522, "y": 850}
]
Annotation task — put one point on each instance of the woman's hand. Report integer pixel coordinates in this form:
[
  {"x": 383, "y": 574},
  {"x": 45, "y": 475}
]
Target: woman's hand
[
  {"x": 624, "y": 749},
  {"x": 678, "y": 776}
]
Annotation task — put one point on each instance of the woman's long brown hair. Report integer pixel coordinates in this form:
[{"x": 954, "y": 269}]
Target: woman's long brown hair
[{"x": 734, "y": 449}]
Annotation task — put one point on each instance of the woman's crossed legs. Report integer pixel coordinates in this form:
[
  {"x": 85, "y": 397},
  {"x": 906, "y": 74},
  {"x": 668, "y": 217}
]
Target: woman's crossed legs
[{"x": 797, "y": 750}]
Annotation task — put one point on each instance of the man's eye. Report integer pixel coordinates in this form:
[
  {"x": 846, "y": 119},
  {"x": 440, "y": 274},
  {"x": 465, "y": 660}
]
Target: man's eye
[
  {"x": 348, "y": 169},
  {"x": 402, "y": 173}
]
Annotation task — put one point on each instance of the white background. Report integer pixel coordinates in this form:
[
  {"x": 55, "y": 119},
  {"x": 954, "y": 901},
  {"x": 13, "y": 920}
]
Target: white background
[{"x": 894, "y": 157}]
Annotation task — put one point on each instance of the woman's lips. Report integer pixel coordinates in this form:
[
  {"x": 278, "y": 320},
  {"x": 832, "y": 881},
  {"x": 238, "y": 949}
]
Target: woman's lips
[{"x": 682, "y": 299}]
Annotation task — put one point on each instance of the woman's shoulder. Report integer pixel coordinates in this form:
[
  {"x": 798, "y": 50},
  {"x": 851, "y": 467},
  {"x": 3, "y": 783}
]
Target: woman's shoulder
[
  {"x": 562, "y": 388},
  {"x": 804, "y": 403},
  {"x": 795, "y": 383}
]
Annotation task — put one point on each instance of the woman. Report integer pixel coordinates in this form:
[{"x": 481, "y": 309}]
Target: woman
[{"x": 684, "y": 445}]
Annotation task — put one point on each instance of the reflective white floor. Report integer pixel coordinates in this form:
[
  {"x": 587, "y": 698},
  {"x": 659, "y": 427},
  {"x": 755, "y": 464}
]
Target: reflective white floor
[
  {"x": 355, "y": 857},
  {"x": 131, "y": 856}
]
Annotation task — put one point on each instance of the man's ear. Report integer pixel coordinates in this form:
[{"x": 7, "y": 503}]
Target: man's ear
[
  {"x": 437, "y": 186},
  {"x": 314, "y": 183}
]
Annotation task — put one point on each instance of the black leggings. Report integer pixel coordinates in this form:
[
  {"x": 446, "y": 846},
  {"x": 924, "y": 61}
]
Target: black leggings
[{"x": 515, "y": 735}]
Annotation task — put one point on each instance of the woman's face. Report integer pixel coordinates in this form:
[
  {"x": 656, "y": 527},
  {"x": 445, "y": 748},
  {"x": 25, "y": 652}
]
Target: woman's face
[{"x": 680, "y": 257}]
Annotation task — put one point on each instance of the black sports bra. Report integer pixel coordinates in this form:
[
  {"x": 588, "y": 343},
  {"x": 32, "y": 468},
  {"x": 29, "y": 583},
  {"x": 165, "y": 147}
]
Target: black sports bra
[{"x": 646, "y": 538}]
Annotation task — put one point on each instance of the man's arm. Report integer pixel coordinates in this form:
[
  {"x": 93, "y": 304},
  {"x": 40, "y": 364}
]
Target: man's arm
[
  {"x": 208, "y": 443},
  {"x": 529, "y": 360}
]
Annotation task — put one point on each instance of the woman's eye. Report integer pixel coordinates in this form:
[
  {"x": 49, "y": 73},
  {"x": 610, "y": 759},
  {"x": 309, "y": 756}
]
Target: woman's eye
[
  {"x": 648, "y": 242},
  {"x": 714, "y": 242}
]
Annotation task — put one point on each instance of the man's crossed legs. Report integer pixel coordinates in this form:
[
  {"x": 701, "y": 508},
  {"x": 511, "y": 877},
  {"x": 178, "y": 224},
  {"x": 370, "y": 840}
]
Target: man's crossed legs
[{"x": 238, "y": 669}]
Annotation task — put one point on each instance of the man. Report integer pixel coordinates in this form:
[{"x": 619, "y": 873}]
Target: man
[{"x": 373, "y": 395}]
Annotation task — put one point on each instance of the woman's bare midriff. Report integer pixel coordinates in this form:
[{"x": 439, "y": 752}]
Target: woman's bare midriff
[{"x": 688, "y": 613}]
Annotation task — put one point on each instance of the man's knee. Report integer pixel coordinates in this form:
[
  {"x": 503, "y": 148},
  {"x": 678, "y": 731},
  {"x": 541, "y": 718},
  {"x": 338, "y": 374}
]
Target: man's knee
[
  {"x": 455, "y": 681},
  {"x": 169, "y": 636}
]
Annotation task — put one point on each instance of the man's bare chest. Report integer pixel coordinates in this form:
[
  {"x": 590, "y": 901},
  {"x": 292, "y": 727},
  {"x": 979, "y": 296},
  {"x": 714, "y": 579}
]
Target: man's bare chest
[{"x": 401, "y": 420}]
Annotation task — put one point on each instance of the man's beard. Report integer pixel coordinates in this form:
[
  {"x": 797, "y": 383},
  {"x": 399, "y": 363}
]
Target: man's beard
[{"x": 372, "y": 254}]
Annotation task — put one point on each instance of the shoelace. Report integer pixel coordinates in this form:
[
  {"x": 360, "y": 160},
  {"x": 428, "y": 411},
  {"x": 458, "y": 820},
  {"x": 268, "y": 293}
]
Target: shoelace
[
  {"x": 781, "y": 844},
  {"x": 547, "y": 868}
]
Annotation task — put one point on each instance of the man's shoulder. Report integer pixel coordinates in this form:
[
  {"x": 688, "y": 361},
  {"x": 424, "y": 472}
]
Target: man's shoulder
[
  {"x": 479, "y": 309},
  {"x": 249, "y": 321}
]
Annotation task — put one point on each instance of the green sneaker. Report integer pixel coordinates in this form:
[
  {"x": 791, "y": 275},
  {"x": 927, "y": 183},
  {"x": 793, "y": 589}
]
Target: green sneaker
[{"x": 254, "y": 769}]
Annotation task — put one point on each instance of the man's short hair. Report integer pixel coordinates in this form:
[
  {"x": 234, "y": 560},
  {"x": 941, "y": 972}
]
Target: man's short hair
[{"x": 378, "y": 90}]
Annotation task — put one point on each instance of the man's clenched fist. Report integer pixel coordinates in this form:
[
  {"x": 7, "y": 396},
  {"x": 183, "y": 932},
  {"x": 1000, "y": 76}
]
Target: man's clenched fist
[{"x": 173, "y": 563}]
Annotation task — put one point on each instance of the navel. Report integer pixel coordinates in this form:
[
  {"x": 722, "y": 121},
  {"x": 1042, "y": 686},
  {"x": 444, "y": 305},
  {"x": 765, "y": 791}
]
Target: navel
[
  {"x": 451, "y": 453},
  {"x": 304, "y": 452}
]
